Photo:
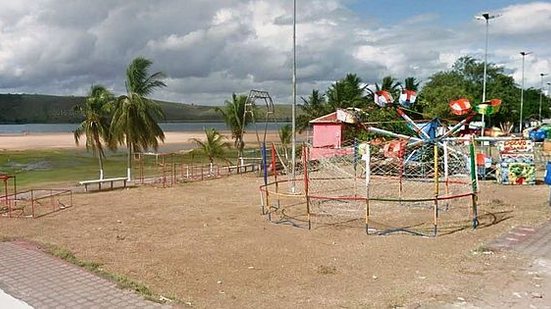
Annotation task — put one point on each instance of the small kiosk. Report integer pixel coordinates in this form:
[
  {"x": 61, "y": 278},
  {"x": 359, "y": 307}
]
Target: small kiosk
[{"x": 516, "y": 164}]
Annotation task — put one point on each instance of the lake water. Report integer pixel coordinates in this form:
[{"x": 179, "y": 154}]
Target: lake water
[{"x": 167, "y": 127}]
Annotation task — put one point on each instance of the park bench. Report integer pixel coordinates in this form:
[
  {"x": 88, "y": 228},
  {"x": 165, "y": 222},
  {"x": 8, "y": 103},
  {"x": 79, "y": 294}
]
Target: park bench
[
  {"x": 242, "y": 168},
  {"x": 99, "y": 182}
]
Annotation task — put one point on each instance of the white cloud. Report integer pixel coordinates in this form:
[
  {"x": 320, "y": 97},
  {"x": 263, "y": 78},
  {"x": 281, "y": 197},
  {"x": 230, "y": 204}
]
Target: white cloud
[
  {"x": 213, "y": 48},
  {"x": 525, "y": 19}
]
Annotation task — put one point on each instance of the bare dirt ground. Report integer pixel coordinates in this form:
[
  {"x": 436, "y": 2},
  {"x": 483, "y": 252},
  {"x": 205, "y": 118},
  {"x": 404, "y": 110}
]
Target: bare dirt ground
[{"x": 206, "y": 244}]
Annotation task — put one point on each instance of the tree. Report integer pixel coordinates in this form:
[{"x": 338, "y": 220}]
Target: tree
[
  {"x": 213, "y": 147},
  {"x": 95, "y": 125},
  {"x": 347, "y": 92},
  {"x": 503, "y": 87},
  {"x": 465, "y": 80},
  {"x": 389, "y": 84},
  {"x": 387, "y": 118},
  {"x": 285, "y": 137},
  {"x": 314, "y": 107},
  {"x": 233, "y": 113},
  {"x": 442, "y": 87},
  {"x": 411, "y": 83},
  {"x": 134, "y": 121}
]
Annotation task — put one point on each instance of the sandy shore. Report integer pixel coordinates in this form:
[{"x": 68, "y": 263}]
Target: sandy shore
[{"x": 174, "y": 141}]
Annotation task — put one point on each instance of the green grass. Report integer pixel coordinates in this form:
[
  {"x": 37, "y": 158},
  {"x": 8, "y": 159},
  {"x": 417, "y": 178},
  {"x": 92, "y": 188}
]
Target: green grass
[
  {"x": 35, "y": 168},
  {"x": 38, "y": 167}
]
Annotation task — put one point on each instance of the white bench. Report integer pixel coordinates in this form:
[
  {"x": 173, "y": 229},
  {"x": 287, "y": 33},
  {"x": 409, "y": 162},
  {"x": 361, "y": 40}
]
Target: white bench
[
  {"x": 242, "y": 168},
  {"x": 99, "y": 182}
]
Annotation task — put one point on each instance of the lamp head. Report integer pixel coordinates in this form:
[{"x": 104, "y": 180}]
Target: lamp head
[
  {"x": 523, "y": 53},
  {"x": 487, "y": 16}
]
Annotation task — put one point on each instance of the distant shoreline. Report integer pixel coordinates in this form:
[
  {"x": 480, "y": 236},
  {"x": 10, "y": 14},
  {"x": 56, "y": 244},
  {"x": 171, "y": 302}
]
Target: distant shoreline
[
  {"x": 196, "y": 126},
  {"x": 174, "y": 141}
]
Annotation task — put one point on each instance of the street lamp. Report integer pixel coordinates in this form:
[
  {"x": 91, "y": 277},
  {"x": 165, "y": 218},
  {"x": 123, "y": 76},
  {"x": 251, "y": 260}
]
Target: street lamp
[
  {"x": 523, "y": 54},
  {"x": 294, "y": 107},
  {"x": 549, "y": 92},
  {"x": 541, "y": 92},
  {"x": 486, "y": 17}
]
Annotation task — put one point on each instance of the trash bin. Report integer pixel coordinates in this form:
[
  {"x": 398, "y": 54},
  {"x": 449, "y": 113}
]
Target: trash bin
[{"x": 547, "y": 177}]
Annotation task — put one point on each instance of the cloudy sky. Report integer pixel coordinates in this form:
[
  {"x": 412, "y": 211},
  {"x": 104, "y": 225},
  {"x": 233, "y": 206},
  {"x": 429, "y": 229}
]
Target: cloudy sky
[{"x": 209, "y": 49}]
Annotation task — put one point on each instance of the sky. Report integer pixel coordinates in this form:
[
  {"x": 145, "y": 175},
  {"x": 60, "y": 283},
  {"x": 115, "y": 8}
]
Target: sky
[{"x": 211, "y": 49}]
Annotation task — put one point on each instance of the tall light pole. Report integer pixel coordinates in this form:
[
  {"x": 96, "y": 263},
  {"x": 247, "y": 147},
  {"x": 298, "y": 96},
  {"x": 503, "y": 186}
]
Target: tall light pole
[
  {"x": 486, "y": 17},
  {"x": 541, "y": 92},
  {"x": 549, "y": 93},
  {"x": 523, "y": 54},
  {"x": 294, "y": 107}
]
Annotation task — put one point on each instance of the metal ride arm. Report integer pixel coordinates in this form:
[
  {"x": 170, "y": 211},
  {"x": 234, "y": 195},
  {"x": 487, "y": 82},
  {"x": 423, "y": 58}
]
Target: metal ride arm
[
  {"x": 250, "y": 106},
  {"x": 410, "y": 121}
]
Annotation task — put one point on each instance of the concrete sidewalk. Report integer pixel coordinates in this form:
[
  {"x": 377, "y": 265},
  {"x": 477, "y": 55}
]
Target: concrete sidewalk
[
  {"x": 43, "y": 281},
  {"x": 8, "y": 301}
]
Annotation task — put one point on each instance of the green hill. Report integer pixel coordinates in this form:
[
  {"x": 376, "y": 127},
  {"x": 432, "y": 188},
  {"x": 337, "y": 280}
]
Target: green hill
[{"x": 36, "y": 108}]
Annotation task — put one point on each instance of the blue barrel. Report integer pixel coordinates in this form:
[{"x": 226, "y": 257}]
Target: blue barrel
[{"x": 547, "y": 178}]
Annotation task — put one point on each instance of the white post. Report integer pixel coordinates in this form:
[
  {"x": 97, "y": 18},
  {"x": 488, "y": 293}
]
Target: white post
[
  {"x": 446, "y": 168},
  {"x": 293, "y": 109},
  {"x": 521, "y": 94},
  {"x": 541, "y": 95},
  {"x": 486, "y": 17},
  {"x": 367, "y": 167},
  {"x": 523, "y": 54},
  {"x": 485, "y": 70}
]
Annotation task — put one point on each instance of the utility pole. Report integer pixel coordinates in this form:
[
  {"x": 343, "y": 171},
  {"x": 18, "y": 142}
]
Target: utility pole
[
  {"x": 294, "y": 107},
  {"x": 523, "y": 54},
  {"x": 541, "y": 93},
  {"x": 486, "y": 17}
]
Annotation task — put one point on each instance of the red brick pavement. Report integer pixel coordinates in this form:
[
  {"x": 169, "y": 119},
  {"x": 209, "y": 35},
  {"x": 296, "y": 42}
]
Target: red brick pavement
[
  {"x": 527, "y": 240},
  {"x": 44, "y": 281}
]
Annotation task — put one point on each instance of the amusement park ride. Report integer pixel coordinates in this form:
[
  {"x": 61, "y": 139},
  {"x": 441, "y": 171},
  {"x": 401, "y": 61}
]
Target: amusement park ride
[{"x": 432, "y": 168}]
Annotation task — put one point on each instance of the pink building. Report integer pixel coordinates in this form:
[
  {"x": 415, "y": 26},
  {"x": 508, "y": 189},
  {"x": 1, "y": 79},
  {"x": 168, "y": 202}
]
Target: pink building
[{"x": 327, "y": 137}]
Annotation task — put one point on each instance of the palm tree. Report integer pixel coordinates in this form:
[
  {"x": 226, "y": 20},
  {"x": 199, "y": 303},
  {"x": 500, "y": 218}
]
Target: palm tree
[
  {"x": 347, "y": 92},
  {"x": 232, "y": 113},
  {"x": 411, "y": 83},
  {"x": 285, "y": 135},
  {"x": 95, "y": 125},
  {"x": 134, "y": 121},
  {"x": 315, "y": 106},
  {"x": 213, "y": 147},
  {"x": 389, "y": 84}
]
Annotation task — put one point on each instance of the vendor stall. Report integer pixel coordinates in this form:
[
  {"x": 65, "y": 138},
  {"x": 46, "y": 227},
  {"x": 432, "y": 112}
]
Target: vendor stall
[{"x": 516, "y": 163}]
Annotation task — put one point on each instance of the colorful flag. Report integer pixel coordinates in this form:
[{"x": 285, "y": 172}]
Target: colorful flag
[
  {"x": 383, "y": 98},
  {"x": 395, "y": 149},
  {"x": 407, "y": 98},
  {"x": 460, "y": 107},
  {"x": 489, "y": 107}
]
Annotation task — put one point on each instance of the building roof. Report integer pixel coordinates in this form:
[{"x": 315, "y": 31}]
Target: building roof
[{"x": 329, "y": 118}]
